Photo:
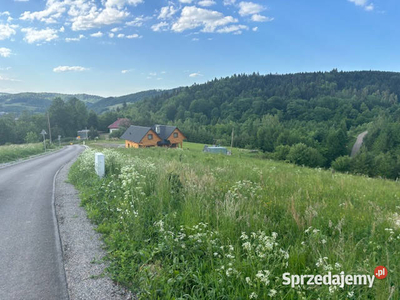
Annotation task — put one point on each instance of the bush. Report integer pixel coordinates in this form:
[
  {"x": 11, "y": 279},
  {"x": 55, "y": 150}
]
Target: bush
[
  {"x": 31, "y": 138},
  {"x": 301, "y": 154},
  {"x": 281, "y": 152},
  {"x": 117, "y": 133},
  {"x": 342, "y": 164}
]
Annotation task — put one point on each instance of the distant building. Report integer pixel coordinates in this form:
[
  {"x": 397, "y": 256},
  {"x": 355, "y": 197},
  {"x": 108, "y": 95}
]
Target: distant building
[
  {"x": 83, "y": 134},
  {"x": 119, "y": 124},
  {"x": 155, "y": 136}
]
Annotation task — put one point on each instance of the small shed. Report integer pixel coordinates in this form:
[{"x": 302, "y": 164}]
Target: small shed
[
  {"x": 83, "y": 134},
  {"x": 215, "y": 149}
]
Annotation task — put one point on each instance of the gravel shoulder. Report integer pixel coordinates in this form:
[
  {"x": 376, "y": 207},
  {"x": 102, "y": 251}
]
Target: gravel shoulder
[{"x": 82, "y": 247}]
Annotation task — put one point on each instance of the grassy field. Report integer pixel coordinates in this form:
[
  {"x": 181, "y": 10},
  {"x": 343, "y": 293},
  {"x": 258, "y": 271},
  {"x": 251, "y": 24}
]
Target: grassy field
[
  {"x": 14, "y": 152},
  {"x": 182, "y": 224}
]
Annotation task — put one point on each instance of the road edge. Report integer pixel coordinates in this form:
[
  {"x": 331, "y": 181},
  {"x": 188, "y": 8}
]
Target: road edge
[
  {"x": 81, "y": 246},
  {"x": 60, "y": 252}
]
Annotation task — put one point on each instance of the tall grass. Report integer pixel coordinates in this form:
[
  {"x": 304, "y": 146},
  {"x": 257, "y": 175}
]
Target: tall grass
[
  {"x": 189, "y": 225},
  {"x": 13, "y": 152}
]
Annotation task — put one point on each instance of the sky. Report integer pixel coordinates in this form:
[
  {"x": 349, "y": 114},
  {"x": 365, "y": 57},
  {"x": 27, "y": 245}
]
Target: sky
[{"x": 117, "y": 47}]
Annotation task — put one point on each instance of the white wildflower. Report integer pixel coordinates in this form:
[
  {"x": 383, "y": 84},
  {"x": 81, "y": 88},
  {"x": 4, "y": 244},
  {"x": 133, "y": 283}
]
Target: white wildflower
[{"x": 253, "y": 295}]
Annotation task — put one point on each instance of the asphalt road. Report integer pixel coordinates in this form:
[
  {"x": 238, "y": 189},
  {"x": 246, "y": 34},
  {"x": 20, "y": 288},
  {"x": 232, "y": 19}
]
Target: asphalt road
[{"x": 31, "y": 265}]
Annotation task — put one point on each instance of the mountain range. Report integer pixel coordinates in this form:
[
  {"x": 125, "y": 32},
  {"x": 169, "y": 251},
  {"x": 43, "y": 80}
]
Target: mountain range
[{"x": 39, "y": 102}]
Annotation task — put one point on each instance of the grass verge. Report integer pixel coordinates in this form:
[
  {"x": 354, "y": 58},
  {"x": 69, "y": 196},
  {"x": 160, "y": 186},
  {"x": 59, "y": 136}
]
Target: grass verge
[{"x": 182, "y": 224}]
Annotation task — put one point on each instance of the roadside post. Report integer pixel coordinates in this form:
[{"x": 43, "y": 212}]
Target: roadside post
[
  {"x": 99, "y": 164},
  {"x": 44, "y": 138},
  {"x": 59, "y": 140}
]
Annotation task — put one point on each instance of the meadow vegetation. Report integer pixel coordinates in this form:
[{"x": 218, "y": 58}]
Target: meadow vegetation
[
  {"x": 13, "y": 152},
  {"x": 182, "y": 224}
]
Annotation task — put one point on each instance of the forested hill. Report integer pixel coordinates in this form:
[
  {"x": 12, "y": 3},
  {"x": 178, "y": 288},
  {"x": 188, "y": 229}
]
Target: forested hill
[
  {"x": 319, "y": 113},
  {"x": 37, "y": 102},
  {"x": 118, "y": 102}
]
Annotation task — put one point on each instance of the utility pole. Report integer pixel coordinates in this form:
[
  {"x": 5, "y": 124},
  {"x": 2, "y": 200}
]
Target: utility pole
[
  {"x": 233, "y": 130},
  {"x": 48, "y": 121}
]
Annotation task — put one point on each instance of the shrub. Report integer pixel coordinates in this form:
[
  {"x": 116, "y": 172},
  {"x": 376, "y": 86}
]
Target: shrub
[
  {"x": 281, "y": 152},
  {"x": 302, "y": 155},
  {"x": 342, "y": 164},
  {"x": 31, "y": 137}
]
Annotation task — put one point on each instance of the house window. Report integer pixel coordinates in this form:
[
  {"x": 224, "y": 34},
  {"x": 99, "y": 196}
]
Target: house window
[
  {"x": 150, "y": 136},
  {"x": 175, "y": 134}
]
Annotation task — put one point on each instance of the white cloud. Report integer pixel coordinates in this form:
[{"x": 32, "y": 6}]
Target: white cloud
[
  {"x": 54, "y": 10},
  {"x": 111, "y": 35},
  {"x": 229, "y": 2},
  {"x": 69, "y": 69},
  {"x": 153, "y": 74},
  {"x": 62, "y": 29},
  {"x": 207, "y": 3},
  {"x": 260, "y": 18},
  {"x": 81, "y": 36},
  {"x": 83, "y": 14},
  {"x": 21, "y": 0},
  {"x": 163, "y": 26},
  {"x": 42, "y": 35},
  {"x": 193, "y": 17},
  {"x": 6, "y": 31},
  {"x": 116, "y": 29},
  {"x": 167, "y": 12},
  {"x": 133, "y": 36},
  {"x": 97, "y": 34},
  {"x": 138, "y": 21},
  {"x": 195, "y": 39},
  {"x": 186, "y": 1},
  {"x": 121, "y": 35},
  {"x": 5, "y": 52},
  {"x": 195, "y": 75},
  {"x": 255, "y": 29},
  {"x": 95, "y": 18},
  {"x": 8, "y": 79},
  {"x": 5, "y": 69},
  {"x": 250, "y": 8},
  {"x": 237, "y": 29},
  {"x": 359, "y": 2},
  {"x": 364, "y": 3},
  {"x": 5, "y": 13},
  {"x": 125, "y": 71},
  {"x": 370, "y": 7},
  {"x": 122, "y": 3}
]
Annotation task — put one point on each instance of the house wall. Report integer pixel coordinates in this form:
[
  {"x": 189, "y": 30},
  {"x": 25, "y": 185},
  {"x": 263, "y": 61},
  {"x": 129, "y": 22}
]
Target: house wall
[
  {"x": 129, "y": 144},
  {"x": 113, "y": 129},
  {"x": 145, "y": 142},
  {"x": 179, "y": 139}
]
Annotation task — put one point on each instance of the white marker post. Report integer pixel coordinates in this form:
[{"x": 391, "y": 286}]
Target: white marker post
[{"x": 99, "y": 164}]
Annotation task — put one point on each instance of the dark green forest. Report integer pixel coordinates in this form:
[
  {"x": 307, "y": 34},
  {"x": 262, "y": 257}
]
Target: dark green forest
[{"x": 309, "y": 119}]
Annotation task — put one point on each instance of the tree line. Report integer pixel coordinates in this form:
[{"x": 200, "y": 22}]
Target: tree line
[
  {"x": 66, "y": 119},
  {"x": 310, "y": 119}
]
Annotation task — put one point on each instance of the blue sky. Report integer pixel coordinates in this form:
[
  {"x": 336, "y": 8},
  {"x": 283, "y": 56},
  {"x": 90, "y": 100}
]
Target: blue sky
[{"x": 116, "y": 47}]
